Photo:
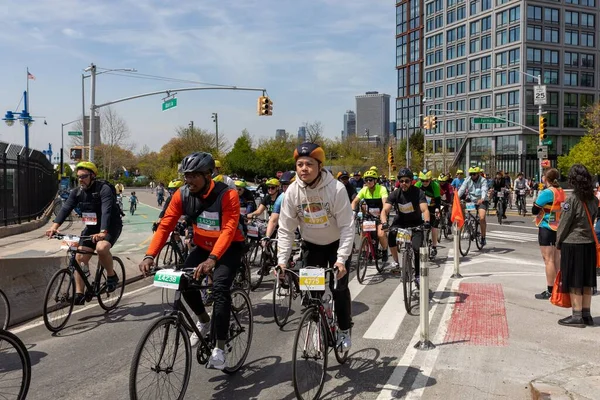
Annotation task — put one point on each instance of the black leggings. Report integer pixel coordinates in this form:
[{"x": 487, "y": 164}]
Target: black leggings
[
  {"x": 324, "y": 256},
  {"x": 417, "y": 242},
  {"x": 223, "y": 275}
]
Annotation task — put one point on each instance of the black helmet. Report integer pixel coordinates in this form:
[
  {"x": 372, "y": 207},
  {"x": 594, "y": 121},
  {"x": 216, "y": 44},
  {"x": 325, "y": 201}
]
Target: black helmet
[
  {"x": 198, "y": 162},
  {"x": 344, "y": 174},
  {"x": 287, "y": 177},
  {"x": 405, "y": 172}
]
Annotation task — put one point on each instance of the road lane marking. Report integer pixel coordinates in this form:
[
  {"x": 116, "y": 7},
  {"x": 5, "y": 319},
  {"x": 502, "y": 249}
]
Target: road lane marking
[
  {"x": 513, "y": 226},
  {"x": 40, "y": 320},
  {"x": 388, "y": 321}
]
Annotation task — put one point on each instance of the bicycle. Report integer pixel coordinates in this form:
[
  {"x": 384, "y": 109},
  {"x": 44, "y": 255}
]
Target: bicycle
[
  {"x": 522, "y": 202},
  {"x": 370, "y": 247},
  {"x": 132, "y": 208},
  {"x": 15, "y": 367},
  {"x": 445, "y": 227},
  {"x": 60, "y": 292},
  {"x": 286, "y": 289},
  {"x": 406, "y": 256},
  {"x": 501, "y": 204},
  {"x": 317, "y": 333},
  {"x": 168, "y": 337},
  {"x": 470, "y": 231},
  {"x": 4, "y": 311},
  {"x": 256, "y": 230}
]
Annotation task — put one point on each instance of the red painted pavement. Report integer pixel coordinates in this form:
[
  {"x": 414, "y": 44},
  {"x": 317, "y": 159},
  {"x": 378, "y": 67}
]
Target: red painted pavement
[{"x": 479, "y": 316}]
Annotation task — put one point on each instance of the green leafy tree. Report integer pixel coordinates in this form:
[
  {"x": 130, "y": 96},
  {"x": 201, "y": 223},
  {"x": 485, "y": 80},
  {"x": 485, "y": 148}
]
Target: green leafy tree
[
  {"x": 242, "y": 158},
  {"x": 274, "y": 155},
  {"x": 586, "y": 152}
]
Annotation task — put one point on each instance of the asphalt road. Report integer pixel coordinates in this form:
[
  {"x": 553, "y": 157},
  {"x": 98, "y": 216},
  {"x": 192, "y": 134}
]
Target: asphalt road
[{"x": 91, "y": 357}]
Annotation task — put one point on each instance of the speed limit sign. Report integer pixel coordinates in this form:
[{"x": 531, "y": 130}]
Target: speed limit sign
[{"x": 539, "y": 95}]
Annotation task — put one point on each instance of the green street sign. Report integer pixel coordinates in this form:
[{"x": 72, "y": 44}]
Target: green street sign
[
  {"x": 168, "y": 104},
  {"x": 489, "y": 120},
  {"x": 547, "y": 142},
  {"x": 75, "y": 133}
]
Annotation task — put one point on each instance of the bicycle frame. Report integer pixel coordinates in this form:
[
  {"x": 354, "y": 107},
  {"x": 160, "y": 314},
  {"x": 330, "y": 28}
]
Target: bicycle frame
[{"x": 75, "y": 267}]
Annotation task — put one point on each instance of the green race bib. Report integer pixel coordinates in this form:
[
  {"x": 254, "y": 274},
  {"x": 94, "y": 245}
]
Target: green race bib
[{"x": 168, "y": 279}]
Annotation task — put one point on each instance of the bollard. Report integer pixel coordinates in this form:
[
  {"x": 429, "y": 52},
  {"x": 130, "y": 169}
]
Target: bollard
[
  {"x": 424, "y": 343},
  {"x": 456, "y": 231}
]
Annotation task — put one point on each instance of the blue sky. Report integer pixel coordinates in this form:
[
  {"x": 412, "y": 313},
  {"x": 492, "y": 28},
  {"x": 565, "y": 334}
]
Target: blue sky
[{"x": 313, "y": 57}]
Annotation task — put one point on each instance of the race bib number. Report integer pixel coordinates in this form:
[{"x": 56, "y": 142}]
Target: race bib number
[
  {"x": 470, "y": 206},
  {"x": 403, "y": 236},
  {"x": 253, "y": 231},
  {"x": 522, "y": 191},
  {"x": 406, "y": 208},
  {"x": 89, "y": 218},
  {"x": 243, "y": 211},
  {"x": 312, "y": 279},
  {"x": 369, "y": 226},
  {"x": 375, "y": 211},
  {"x": 315, "y": 216},
  {"x": 168, "y": 279},
  {"x": 70, "y": 243},
  {"x": 208, "y": 221},
  {"x": 444, "y": 197}
]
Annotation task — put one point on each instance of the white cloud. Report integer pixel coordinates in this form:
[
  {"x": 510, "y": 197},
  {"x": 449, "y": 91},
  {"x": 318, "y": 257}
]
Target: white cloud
[{"x": 71, "y": 33}]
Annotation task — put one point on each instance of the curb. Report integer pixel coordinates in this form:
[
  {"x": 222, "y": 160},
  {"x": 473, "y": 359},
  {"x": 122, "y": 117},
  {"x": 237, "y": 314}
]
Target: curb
[
  {"x": 29, "y": 226},
  {"x": 541, "y": 390}
]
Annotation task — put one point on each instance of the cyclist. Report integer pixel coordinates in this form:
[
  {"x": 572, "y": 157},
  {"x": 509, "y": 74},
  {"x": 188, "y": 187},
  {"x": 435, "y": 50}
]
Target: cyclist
[
  {"x": 357, "y": 181},
  {"x": 498, "y": 184},
  {"x": 97, "y": 200},
  {"x": 219, "y": 177},
  {"x": 475, "y": 187},
  {"x": 160, "y": 193},
  {"x": 215, "y": 210},
  {"x": 268, "y": 201},
  {"x": 434, "y": 202},
  {"x": 133, "y": 200},
  {"x": 458, "y": 180},
  {"x": 375, "y": 196},
  {"x": 344, "y": 177},
  {"x": 319, "y": 206},
  {"x": 411, "y": 210},
  {"x": 286, "y": 180},
  {"x": 519, "y": 184},
  {"x": 446, "y": 189},
  {"x": 247, "y": 204}
]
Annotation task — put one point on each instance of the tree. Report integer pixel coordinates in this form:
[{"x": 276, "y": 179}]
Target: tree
[
  {"x": 147, "y": 162},
  {"x": 274, "y": 155},
  {"x": 416, "y": 151},
  {"x": 314, "y": 132},
  {"x": 242, "y": 159},
  {"x": 114, "y": 133},
  {"x": 587, "y": 151}
]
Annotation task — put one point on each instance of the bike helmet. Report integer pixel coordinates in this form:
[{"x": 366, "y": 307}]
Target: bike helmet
[
  {"x": 217, "y": 164},
  {"x": 405, "y": 173},
  {"x": 425, "y": 175},
  {"x": 287, "y": 177},
  {"x": 272, "y": 182},
  {"x": 474, "y": 170},
  {"x": 198, "y": 162},
  {"x": 311, "y": 150},
  {"x": 459, "y": 171},
  {"x": 175, "y": 184},
  {"x": 443, "y": 178},
  {"x": 241, "y": 184},
  {"x": 90, "y": 166},
  {"x": 373, "y": 168},
  {"x": 343, "y": 174},
  {"x": 370, "y": 174}
]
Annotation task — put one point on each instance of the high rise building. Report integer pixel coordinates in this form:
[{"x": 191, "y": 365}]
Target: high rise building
[
  {"x": 481, "y": 59},
  {"x": 349, "y": 124},
  {"x": 373, "y": 116},
  {"x": 280, "y": 134},
  {"x": 302, "y": 134}
]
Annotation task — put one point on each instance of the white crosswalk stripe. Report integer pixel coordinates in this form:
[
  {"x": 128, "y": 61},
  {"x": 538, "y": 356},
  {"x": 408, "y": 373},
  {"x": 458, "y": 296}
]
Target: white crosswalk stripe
[{"x": 509, "y": 236}]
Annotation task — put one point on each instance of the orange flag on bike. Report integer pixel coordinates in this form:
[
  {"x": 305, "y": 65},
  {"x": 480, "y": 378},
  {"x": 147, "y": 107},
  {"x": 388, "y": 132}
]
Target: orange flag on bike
[{"x": 457, "y": 213}]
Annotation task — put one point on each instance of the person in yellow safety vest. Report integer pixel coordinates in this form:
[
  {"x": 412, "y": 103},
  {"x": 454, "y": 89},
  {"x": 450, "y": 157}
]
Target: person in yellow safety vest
[
  {"x": 547, "y": 209},
  {"x": 219, "y": 177}
]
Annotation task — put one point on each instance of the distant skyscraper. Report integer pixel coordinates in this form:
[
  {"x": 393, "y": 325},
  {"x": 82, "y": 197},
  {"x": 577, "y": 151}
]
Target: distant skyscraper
[
  {"x": 302, "y": 134},
  {"x": 349, "y": 124},
  {"x": 393, "y": 128},
  {"x": 373, "y": 114},
  {"x": 280, "y": 134}
]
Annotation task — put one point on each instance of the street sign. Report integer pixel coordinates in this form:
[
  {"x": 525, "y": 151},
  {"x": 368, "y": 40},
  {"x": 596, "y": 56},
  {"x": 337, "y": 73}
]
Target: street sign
[
  {"x": 489, "y": 120},
  {"x": 168, "y": 104},
  {"x": 539, "y": 95},
  {"x": 547, "y": 142},
  {"x": 75, "y": 133},
  {"x": 542, "y": 152}
]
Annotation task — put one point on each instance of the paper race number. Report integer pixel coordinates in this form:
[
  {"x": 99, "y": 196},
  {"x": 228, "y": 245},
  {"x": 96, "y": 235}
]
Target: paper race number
[{"x": 312, "y": 279}]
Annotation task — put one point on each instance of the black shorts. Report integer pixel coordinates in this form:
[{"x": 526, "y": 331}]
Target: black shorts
[
  {"x": 435, "y": 222},
  {"x": 111, "y": 237},
  {"x": 546, "y": 237}
]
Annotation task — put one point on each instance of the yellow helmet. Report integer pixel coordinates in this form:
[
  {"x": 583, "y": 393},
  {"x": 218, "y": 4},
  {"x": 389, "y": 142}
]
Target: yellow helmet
[
  {"x": 241, "y": 184},
  {"x": 218, "y": 178},
  {"x": 474, "y": 170},
  {"x": 217, "y": 164},
  {"x": 459, "y": 171},
  {"x": 272, "y": 182},
  {"x": 90, "y": 166},
  {"x": 443, "y": 178},
  {"x": 373, "y": 168},
  {"x": 175, "y": 184},
  {"x": 370, "y": 174},
  {"x": 425, "y": 176}
]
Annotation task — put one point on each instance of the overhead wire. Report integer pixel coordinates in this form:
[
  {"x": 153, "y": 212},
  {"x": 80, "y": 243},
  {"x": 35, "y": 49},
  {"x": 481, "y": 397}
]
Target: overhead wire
[{"x": 162, "y": 78}]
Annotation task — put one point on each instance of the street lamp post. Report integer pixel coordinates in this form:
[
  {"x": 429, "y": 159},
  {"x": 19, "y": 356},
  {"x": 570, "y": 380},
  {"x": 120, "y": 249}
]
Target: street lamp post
[
  {"x": 215, "y": 118},
  {"x": 23, "y": 116}
]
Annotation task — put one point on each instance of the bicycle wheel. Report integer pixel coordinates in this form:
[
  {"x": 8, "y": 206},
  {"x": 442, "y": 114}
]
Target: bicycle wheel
[
  {"x": 110, "y": 300},
  {"x": 407, "y": 282},
  {"x": 240, "y": 332},
  {"x": 167, "y": 257},
  {"x": 340, "y": 356},
  {"x": 282, "y": 299},
  {"x": 477, "y": 235},
  {"x": 15, "y": 367},
  {"x": 254, "y": 262},
  {"x": 4, "y": 311},
  {"x": 464, "y": 239},
  {"x": 364, "y": 256},
  {"x": 309, "y": 360},
  {"x": 500, "y": 211},
  {"x": 378, "y": 250},
  {"x": 162, "y": 362},
  {"x": 242, "y": 278},
  {"x": 59, "y": 300}
]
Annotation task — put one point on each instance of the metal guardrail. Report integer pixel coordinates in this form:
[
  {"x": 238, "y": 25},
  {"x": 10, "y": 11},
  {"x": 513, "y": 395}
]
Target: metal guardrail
[{"x": 28, "y": 184}]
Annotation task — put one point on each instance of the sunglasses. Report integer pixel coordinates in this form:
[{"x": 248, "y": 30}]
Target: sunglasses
[
  {"x": 83, "y": 176},
  {"x": 271, "y": 187},
  {"x": 405, "y": 181},
  {"x": 474, "y": 174},
  {"x": 425, "y": 180},
  {"x": 369, "y": 180}
]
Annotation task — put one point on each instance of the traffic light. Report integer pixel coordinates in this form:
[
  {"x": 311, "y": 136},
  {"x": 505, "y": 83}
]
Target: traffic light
[
  {"x": 426, "y": 122},
  {"x": 393, "y": 167},
  {"x": 265, "y": 106},
  {"x": 433, "y": 122},
  {"x": 390, "y": 155},
  {"x": 543, "y": 127},
  {"x": 76, "y": 153}
]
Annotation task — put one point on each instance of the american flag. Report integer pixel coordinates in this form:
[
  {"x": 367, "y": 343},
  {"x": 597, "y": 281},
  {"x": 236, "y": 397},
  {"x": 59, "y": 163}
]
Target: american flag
[{"x": 30, "y": 75}]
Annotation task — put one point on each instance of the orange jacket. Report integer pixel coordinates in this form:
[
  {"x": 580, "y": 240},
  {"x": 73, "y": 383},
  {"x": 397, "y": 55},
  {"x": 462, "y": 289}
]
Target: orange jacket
[{"x": 217, "y": 242}]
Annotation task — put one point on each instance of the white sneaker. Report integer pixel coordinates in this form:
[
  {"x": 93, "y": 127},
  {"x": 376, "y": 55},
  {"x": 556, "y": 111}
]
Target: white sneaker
[
  {"x": 204, "y": 328},
  {"x": 394, "y": 267},
  {"x": 217, "y": 359},
  {"x": 344, "y": 340}
]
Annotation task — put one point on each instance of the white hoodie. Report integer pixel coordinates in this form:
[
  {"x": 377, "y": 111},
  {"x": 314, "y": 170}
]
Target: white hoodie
[{"x": 324, "y": 215}]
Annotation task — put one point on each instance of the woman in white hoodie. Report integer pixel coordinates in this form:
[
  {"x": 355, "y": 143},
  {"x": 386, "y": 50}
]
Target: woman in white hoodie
[{"x": 318, "y": 204}]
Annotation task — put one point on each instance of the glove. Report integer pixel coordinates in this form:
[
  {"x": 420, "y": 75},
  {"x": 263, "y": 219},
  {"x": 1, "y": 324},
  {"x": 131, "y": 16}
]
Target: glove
[
  {"x": 154, "y": 226},
  {"x": 427, "y": 226}
]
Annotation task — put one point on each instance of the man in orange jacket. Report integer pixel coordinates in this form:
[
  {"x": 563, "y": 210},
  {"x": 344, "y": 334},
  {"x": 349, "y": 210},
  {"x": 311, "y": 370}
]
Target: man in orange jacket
[{"x": 215, "y": 211}]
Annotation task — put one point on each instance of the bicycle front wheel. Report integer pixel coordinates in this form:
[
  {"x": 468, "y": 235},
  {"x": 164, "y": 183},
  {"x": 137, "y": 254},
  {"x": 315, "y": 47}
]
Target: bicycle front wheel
[
  {"x": 282, "y": 299},
  {"x": 254, "y": 261},
  {"x": 309, "y": 360},
  {"x": 162, "y": 362},
  {"x": 407, "y": 281},
  {"x": 477, "y": 234},
  {"x": 59, "y": 300},
  {"x": 364, "y": 256},
  {"x": 500, "y": 211},
  {"x": 464, "y": 239},
  {"x": 15, "y": 367},
  {"x": 4, "y": 311},
  {"x": 110, "y": 300},
  {"x": 167, "y": 257},
  {"x": 239, "y": 337}
]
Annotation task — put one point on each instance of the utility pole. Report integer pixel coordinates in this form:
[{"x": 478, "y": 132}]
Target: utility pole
[
  {"x": 215, "y": 118},
  {"x": 191, "y": 125},
  {"x": 92, "y": 70}
]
